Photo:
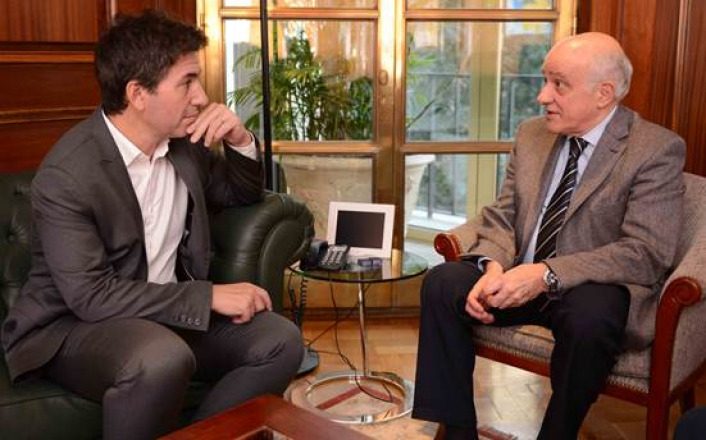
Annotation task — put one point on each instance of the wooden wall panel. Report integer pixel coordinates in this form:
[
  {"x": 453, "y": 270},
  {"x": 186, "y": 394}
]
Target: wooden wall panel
[
  {"x": 599, "y": 16},
  {"x": 47, "y": 82},
  {"x": 51, "y": 21},
  {"x": 183, "y": 9},
  {"x": 662, "y": 63},
  {"x": 690, "y": 112},
  {"x": 47, "y": 85},
  {"x": 666, "y": 41},
  {"x": 638, "y": 45},
  {"x": 25, "y": 144}
]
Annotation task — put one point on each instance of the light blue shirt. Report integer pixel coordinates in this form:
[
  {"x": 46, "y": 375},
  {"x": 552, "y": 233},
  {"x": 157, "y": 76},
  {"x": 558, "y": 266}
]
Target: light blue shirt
[{"x": 592, "y": 137}]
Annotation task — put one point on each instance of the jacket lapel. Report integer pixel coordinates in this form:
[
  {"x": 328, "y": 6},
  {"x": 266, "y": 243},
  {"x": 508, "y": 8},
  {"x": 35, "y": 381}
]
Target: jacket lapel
[
  {"x": 610, "y": 147},
  {"x": 115, "y": 171},
  {"x": 199, "y": 241}
]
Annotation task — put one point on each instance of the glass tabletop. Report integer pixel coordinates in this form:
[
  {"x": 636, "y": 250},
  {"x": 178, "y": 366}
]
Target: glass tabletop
[{"x": 402, "y": 265}]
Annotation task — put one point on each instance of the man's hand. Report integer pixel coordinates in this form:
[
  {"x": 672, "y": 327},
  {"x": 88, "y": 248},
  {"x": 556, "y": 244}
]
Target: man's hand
[
  {"x": 240, "y": 301},
  {"x": 217, "y": 122},
  {"x": 517, "y": 286},
  {"x": 477, "y": 299}
]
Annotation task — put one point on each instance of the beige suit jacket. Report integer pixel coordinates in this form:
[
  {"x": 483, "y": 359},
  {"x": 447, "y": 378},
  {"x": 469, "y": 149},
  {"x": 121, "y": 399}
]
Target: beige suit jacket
[{"x": 623, "y": 221}]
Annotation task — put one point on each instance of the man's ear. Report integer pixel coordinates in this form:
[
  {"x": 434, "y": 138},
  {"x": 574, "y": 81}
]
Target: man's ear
[
  {"x": 135, "y": 95},
  {"x": 605, "y": 92}
]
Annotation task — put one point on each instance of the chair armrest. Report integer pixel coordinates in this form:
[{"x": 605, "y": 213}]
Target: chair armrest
[
  {"x": 675, "y": 331},
  {"x": 256, "y": 243},
  {"x": 448, "y": 245}
]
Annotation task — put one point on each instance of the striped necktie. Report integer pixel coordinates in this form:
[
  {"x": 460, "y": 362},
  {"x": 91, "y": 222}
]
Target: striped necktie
[{"x": 553, "y": 218}]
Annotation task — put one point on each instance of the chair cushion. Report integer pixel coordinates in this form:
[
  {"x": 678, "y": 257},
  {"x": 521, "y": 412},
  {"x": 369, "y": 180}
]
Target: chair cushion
[
  {"x": 536, "y": 343},
  {"x": 37, "y": 407}
]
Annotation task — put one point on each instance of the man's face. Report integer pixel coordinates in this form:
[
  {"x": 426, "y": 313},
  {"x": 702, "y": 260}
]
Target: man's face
[
  {"x": 177, "y": 100},
  {"x": 569, "y": 96}
]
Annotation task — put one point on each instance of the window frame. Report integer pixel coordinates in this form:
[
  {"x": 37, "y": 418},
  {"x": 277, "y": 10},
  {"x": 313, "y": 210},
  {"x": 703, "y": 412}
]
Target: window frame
[{"x": 388, "y": 147}]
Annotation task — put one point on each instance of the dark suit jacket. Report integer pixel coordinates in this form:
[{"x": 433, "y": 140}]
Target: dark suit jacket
[
  {"x": 88, "y": 253},
  {"x": 623, "y": 221}
]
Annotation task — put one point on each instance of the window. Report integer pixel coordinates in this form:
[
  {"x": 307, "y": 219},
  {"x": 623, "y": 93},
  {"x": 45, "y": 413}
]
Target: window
[
  {"x": 409, "y": 102},
  {"x": 321, "y": 78}
]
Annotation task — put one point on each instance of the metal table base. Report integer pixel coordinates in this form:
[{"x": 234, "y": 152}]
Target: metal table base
[
  {"x": 353, "y": 397},
  {"x": 358, "y": 396}
]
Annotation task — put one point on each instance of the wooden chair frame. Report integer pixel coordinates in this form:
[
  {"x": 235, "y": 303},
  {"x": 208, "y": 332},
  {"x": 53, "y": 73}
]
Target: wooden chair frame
[{"x": 677, "y": 296}]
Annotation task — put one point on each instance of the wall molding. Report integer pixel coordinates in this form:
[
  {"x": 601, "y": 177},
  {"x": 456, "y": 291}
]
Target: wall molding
[
  {"x": 45, "y": 114},
  {"x": 46, "y": 57}
]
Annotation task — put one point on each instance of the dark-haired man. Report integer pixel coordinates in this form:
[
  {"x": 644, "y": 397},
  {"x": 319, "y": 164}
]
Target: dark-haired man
[
  {"x": 116, "y": 307},
  {"x": 585, "y": 227}
]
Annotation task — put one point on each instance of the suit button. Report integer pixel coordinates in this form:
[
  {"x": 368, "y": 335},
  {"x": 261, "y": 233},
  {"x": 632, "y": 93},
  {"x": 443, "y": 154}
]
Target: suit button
[
  {"x": 189, "y": 321},
  {"x": 182, "y": 318},
  {"x": 197, "y": 322}
]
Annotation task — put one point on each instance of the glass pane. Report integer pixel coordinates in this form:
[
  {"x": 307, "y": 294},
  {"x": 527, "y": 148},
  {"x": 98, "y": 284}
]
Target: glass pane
[
  {"x": 472, "y": 81},
  {"x": 444, "y": 191},
  {"x": 234, "y": 3},
  {"x": 321, "y": 78},
  {"x": 318, "y": 180},
  {"x": 305, "y": 3},
  {"x": 480, "y": 4},
  {"x": 325, "y": 3}
]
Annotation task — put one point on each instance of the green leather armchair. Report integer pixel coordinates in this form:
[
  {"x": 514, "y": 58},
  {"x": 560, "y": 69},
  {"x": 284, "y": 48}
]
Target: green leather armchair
[{"x": 253, "y": 243}]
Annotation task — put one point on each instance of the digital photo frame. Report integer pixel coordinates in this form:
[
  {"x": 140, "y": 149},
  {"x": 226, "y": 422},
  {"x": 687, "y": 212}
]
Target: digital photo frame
[{"x": 365, "y": 227}]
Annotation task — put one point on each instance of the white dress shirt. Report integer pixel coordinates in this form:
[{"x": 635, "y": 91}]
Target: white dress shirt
[{"x": 163, "y": 199}]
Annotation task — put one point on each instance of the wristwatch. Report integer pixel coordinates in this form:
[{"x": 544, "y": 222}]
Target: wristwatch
[{"x": 551, "y": 281}]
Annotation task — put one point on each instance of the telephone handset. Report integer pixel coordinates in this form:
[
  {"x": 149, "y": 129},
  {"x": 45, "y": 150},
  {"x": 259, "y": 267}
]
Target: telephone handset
[{"x": 323, "y": 256}]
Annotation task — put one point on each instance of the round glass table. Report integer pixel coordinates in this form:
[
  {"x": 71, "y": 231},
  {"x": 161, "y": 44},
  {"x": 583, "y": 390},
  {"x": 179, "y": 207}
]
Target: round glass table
[{"x": 361, "y": 396}]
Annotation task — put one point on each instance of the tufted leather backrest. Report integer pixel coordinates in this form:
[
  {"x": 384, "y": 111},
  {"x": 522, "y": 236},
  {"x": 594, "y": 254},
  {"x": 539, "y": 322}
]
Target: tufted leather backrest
[{"x": 15, "y": 235}]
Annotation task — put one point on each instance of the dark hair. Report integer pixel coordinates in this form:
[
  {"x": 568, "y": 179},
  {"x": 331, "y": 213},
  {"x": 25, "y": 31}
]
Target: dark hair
[{"x": 141, "y": 48}]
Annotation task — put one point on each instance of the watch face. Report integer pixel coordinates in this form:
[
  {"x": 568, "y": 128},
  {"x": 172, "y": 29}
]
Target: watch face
[{"x": 551, "y": 281}]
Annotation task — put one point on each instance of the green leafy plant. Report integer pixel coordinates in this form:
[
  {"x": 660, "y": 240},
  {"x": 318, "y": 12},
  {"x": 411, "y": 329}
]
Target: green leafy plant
[{"x": 307, "y": 100}]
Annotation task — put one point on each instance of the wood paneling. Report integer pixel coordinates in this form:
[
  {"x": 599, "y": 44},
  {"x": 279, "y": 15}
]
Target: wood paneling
[
  {"x": 47, "y": 81},
  {"x": 51, "y": 21},
  {"x": 25, "y": 144},
  {"x": 47, "y": 85},
  {"x": 183, "y": 9},
  {"x": 599, "y": 16},
  {"x": 638, "y": 45},
  {"x": 665, "y": 40},
  {"x": 690, "y": 114},
  {"x": 662, "y": 62}
]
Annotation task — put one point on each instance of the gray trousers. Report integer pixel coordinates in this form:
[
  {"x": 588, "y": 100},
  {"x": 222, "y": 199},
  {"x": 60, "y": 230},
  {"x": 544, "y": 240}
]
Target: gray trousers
[{"x": 139, "y": 370}]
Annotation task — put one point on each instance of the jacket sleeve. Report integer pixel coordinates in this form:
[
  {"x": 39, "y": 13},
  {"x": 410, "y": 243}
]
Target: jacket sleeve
[
  {"x": 491, "y": 234},
  {"x": 82, "y": 270},
  {"x": 231, "y": 179}
]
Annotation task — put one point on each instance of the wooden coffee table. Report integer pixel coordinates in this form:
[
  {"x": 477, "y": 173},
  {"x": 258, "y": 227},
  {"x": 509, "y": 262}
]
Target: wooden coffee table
[{"x": 266, "y": 417}]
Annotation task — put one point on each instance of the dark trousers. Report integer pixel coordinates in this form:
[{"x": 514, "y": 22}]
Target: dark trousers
[
  {"x": 588, "y": 325},
  {"x": 692, "y": 425},
  {"x": 139, "y": 370}
]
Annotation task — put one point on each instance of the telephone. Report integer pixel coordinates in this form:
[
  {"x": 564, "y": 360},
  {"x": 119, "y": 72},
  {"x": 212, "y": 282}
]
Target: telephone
[{"x": 323, "y": 256}]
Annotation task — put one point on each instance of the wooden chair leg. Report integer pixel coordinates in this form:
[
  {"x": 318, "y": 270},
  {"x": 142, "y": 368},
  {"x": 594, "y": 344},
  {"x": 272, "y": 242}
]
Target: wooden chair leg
[
  {"x": 687, "y": 400},
  {"x": 657, "y": 419}
]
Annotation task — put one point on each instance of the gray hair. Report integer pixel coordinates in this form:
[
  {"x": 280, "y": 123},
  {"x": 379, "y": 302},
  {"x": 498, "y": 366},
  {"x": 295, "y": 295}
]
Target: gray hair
[
  {"x": 610, "y": 64},
  {"x": 617, "y": 68}
]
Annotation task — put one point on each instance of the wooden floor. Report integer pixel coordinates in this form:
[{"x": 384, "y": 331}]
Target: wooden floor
[{"x": 507, "y": 398}]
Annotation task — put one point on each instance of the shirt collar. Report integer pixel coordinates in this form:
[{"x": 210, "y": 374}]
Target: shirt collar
[
  {"x": 593, "y": 135},
  {"x": 129, "y": 151}
]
